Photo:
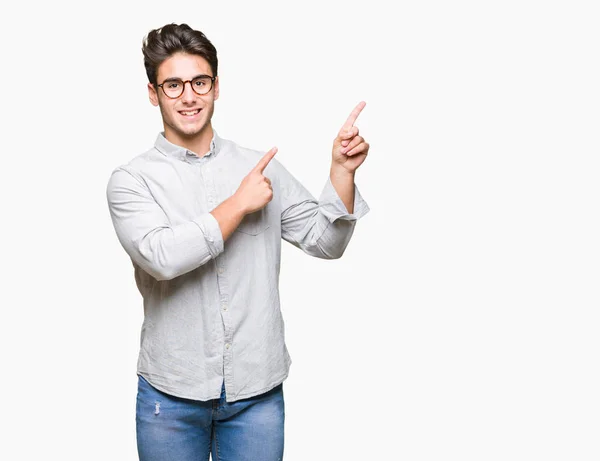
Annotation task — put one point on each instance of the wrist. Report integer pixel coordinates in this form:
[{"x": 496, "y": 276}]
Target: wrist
[
  {"x": 237, "y": 205},
  {"x": 341, "y": 173}
]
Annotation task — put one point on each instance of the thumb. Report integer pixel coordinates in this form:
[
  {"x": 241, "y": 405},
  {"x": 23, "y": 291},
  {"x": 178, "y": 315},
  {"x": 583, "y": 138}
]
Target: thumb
[{"x": 345, "y": 134}]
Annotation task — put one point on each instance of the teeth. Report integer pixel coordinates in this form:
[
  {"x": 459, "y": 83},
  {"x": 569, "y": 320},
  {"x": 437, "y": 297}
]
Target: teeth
[{"x": 190, "y": 113}]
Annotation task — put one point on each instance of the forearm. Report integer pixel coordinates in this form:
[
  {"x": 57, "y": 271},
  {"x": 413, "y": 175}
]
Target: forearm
[
  {"x": 162, "y": 249},
  {"x": 228, "y": 214},
  {"x": 343, "y": 183},
  {"x": 321, "y": 228},
  {"x": 168, "y": 252},
  {"x": 178, "y": 250}
]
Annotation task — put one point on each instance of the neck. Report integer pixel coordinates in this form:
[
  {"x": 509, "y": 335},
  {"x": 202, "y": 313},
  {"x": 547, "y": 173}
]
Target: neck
[{"x": 199, "y": 143}]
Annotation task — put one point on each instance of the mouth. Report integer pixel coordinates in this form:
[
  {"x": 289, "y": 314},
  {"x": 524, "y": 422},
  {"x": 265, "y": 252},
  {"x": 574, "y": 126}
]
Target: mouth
[{"x": 190, "y": 114}]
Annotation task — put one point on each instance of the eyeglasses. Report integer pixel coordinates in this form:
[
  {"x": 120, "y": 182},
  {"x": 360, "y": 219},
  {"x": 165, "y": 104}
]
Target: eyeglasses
[{"x": 173, "y": 87}]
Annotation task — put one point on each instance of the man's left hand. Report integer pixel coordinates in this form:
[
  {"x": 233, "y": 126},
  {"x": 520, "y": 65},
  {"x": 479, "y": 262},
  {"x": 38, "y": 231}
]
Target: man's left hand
[{"x": 349, "y": 149}]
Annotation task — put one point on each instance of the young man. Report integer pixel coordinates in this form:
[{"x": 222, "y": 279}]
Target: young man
[{"x": 202, "y": 220}]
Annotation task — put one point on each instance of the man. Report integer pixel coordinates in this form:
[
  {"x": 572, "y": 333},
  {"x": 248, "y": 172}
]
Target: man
[{"x": 202, "y": 220}]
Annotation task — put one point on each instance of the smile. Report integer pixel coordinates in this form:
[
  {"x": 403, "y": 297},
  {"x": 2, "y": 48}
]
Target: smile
[{"x": 190, "y": 113}]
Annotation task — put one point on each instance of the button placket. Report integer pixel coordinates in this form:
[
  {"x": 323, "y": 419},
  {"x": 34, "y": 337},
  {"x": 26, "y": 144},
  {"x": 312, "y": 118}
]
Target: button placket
[{"x": 223, "y": 287}]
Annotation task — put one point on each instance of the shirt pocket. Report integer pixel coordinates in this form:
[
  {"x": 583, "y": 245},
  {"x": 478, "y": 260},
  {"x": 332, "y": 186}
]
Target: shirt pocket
[{"x": 254, "y": 223}]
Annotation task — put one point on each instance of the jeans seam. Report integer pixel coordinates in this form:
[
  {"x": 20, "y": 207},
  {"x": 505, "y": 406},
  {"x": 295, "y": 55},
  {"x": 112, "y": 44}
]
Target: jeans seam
[
  {"x": 210, "y": 442},
  {"x": 217, "y": 444}
]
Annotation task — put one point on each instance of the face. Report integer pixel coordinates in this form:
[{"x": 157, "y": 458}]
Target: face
[{"x": 177, "y": 125}]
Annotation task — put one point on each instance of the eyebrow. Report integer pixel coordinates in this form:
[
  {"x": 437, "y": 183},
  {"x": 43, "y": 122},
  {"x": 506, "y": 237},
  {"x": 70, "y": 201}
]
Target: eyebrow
[{"x": 171, "y": 79}]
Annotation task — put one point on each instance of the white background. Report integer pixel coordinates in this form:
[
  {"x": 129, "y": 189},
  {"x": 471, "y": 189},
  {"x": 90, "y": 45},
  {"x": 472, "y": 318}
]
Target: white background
[{"x": 462, "y": 321}]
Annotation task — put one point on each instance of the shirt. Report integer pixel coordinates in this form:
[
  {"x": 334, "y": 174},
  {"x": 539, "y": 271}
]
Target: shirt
[{"x": 211, "y": 308}]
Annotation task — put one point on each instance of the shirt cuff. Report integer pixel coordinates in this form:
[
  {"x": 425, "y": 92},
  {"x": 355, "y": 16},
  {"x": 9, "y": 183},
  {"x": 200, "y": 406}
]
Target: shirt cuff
[
  {"x": 333, "y": 207},
  {"x": 209, "y": 226}
]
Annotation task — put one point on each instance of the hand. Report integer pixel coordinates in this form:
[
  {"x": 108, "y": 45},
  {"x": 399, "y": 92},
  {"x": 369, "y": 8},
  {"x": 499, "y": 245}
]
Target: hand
[
  {"x": 255, "y": 190},
  {"x": 349, "y": 149}
]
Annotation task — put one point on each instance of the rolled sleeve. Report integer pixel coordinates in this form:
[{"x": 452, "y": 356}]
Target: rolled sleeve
[
  {"x": 333, "y": 207},
  {"x": 211, "y": 230},
  {"x": 162, "y": 250},
  {"x": 321, "y": 228}
]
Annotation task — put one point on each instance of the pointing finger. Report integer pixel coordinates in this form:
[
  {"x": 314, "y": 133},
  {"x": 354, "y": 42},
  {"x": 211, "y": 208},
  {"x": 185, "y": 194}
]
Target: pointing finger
[
  {"x": 263, "y": 162},
  {"x": 353, "y": 116}
]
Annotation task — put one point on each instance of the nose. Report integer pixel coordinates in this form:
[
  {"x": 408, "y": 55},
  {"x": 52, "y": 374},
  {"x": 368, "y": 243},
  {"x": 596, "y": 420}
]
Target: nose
[{"x": 188, "y": 94}]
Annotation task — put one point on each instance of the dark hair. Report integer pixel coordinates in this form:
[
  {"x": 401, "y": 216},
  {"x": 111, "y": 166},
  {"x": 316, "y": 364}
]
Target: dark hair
[{"x": 162, "y": 43}]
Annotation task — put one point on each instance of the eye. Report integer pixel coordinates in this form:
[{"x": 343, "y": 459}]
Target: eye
[{"x": 173, "y": 85}]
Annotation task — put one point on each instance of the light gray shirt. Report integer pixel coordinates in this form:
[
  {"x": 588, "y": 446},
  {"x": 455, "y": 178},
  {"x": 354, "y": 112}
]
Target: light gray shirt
[{"x": 211, "y": 309}]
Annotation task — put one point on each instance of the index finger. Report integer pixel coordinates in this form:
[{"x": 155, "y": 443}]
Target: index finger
[
  {"x": 354, "y": 115},
  {"x": 263, "y": 162}
]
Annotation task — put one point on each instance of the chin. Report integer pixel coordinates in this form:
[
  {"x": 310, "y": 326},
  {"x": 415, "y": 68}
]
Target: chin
[{"x": 191, "y": 131}]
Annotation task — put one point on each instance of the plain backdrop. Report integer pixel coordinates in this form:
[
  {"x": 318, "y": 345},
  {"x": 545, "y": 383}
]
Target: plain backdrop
[{"x": 462, "y": 321}]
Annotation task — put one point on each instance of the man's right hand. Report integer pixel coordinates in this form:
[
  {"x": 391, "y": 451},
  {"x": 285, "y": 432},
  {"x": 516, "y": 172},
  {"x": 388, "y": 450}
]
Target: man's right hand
[
  {"x": 255, "y": 190},
  {"x": 254, "y": 193}
]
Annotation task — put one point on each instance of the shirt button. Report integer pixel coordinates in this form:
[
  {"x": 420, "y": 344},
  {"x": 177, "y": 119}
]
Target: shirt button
[
  {"x": 227, "y": 345},
  {"x": 221, "y": 270},
  {"x": 224, "y": 307}
]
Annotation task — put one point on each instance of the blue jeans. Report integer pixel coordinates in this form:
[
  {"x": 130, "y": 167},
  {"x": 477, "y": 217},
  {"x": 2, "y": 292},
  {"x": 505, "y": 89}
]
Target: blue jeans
[{"x": 178, "y": 429}]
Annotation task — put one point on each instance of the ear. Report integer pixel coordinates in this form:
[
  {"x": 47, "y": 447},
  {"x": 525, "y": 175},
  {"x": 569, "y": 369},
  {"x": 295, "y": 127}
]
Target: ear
[
  {"x": 216, "y": 88},
  {"x": 152, "y": 95}
]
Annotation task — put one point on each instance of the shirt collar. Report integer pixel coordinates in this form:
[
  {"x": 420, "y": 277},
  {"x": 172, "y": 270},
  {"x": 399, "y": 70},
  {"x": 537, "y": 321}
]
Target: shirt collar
[{"x": 165, "y": 146}]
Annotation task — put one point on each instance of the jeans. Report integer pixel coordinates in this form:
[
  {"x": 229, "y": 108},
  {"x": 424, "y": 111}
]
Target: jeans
[{"x": 178, "y": 429}]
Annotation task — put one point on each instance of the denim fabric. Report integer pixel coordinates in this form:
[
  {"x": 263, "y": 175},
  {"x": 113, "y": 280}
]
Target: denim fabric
[{"x": 178, "y": 429}]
